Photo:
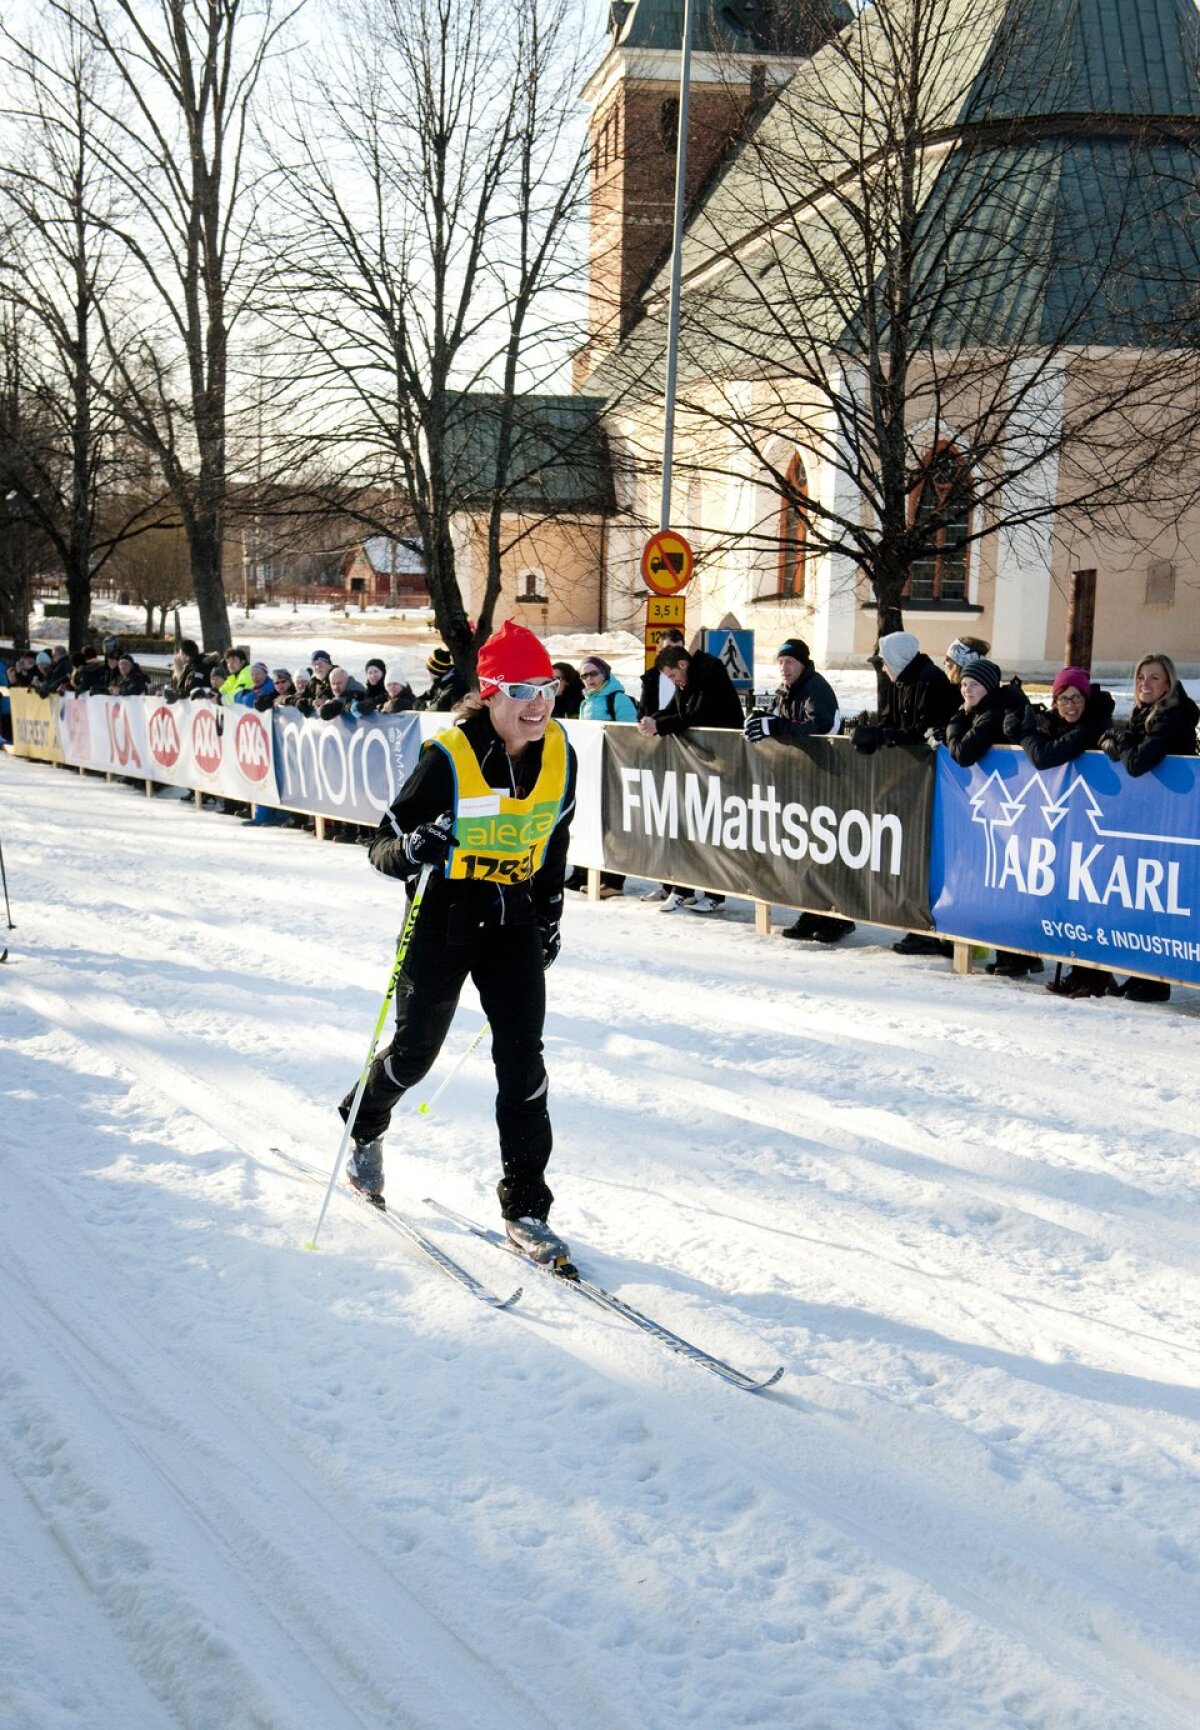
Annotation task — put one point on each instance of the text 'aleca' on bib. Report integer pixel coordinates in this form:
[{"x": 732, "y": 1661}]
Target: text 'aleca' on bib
[{"x": 502, "y": 839}]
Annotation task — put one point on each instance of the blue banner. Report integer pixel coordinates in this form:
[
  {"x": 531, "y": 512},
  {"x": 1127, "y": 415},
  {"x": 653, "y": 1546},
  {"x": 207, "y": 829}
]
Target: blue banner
[
  {"x": 344, "y": 768},
  {"x": 1079, "y": 863}
]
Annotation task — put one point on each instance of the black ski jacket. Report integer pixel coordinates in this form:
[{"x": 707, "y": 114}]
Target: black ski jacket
[
  {"x": 707, "y": 700},
  {"x": 807, "y": 708},
  {"x": 922, "y": 697},
  {"x": 1155, "y": 730},
  {"x": 971, "y": 733},
  {"x": 1048, "y": 740},
  {"x": 430, "y": 791}
]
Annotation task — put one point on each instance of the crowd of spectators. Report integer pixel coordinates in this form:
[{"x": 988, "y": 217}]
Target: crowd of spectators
[{"x": 964, "y": 706}]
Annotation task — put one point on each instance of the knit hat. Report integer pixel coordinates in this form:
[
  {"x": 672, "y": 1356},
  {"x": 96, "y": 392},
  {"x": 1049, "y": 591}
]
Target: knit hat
[
  {"x": 897, "y": 649},
  {"x": 43, "y": 659},
  {"x": 600, "y": 664},
  {"x": 1073, "y": 679},
  {"x": 439, "y": 661},
  {"x": 261, "y": 667},
  {"x": 985, "y": 673},
  {"x": 960, "y": 654},
  {"x": 322, "y": 655},
  {"x": 234, "y": 650},
  {"x": 512, "y": 653},
  {"x": 376, "y": 662},
  {"x": 794, "y": 647},
  {"x": 110, "y": 645}
]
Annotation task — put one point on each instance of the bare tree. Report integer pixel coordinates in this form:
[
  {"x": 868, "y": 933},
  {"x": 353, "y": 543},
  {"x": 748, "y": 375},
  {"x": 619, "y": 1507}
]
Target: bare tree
[
  {"x": 68, "y": 460},
  {"x": 186, "y": 75},
  {"x": 936, "y": 278},
  {"x": 154, "y": 567},
  {"x": 434, "y": 188}
]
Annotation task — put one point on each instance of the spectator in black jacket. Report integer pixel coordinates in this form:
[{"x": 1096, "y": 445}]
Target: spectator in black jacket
[
  {"x": 399, "y": 698},
  {"x": 704, "y": 697},
  {"x": 656, "y": 687},
  {"x": 89, "y": 674},
  {"x": 1163, "y": 722},
  {"x": 319, "y": 689},
  {"x": 570, "y": 692},
  {"x": 131, "y": 679},
  {"x": 979, "y": 724},
  {"x": 448, "y": 687},
  {"x": 1078, "y": 715},
  {"x": 53, "y": 672},
  {"x": 374, "y": 691},
  {"x": 189, "y": 672},
  {"x": 344, "y": 695},
  {"x": 803, "y": 707},
  {"x": 920, "y": 697}
]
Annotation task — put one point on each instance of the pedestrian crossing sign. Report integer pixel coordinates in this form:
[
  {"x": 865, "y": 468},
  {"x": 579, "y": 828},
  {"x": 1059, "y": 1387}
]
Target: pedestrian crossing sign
[{"x": 735, "y": 651}]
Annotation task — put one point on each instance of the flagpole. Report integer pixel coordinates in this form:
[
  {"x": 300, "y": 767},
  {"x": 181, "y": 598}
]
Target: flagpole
[{"x": 681, "y": 144}]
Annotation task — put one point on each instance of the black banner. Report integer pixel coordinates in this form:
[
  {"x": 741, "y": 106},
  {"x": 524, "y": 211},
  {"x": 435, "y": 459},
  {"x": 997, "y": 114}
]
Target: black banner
[{"x": 816, "y": 826}]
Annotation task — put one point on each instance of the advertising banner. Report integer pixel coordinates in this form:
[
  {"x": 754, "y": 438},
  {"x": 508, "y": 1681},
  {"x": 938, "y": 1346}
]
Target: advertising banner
[
  {"x": 212, "y": 748},
  {"x": 35, "y": 727},
  {"x": 818, "y": 826},
  {"x": 345, "y": 768},
  {"x": 1079, "y": 862},
  {"x": 107, "y": 733}
]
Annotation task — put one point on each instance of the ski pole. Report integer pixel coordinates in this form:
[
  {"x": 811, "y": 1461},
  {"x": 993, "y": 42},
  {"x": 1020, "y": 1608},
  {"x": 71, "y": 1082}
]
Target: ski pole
[
  {"x": 402, "y": 948},
  {"x": 4, "y": 880},
  {"x": 427, "y": 1105}
]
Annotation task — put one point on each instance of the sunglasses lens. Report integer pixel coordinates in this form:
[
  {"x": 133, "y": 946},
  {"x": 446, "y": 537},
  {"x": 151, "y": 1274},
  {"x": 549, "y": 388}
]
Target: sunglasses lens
[{"x": 525, "y": 690}]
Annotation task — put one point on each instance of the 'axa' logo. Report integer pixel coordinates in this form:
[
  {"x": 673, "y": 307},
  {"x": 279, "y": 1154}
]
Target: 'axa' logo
[
  {"x": 252, "y": 747},
  {"x": 206, "y": 741},
  {"x": 164, "y": 737}
]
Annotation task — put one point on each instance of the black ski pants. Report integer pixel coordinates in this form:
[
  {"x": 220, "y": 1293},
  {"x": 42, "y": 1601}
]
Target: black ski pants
[{"x": 505, "y": 963}]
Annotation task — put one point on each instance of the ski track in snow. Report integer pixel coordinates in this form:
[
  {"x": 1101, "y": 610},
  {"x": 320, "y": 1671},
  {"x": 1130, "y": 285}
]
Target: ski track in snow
[{"x": 252, "y": 1486}]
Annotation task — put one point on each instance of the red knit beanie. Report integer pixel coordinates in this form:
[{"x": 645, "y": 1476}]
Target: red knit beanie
[
  {"x": 1075, "y": 677},
  {"x": 512, "y": 653}
]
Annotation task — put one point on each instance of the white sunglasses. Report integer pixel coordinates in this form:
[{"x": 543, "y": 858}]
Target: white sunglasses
[{"x": 525, "y": 690}]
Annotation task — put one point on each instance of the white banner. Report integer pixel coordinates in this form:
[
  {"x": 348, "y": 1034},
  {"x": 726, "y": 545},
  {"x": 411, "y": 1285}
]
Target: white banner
[{"x": 106, "y": 733}]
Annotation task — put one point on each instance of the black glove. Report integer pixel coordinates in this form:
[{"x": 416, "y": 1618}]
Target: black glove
[
  {"x": 331, "y": 710},
  {"x": 934, "y": 737},
  {"x": 760, "y": 727},
  {"x": 867, "y": 739},
  {"x": 1110, "y": 744},
  {"x": 431, "y": 844},
  {"x": 551, "y": 944}
]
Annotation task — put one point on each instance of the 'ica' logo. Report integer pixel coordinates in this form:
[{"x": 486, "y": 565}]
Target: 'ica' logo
[
  {"x": 120, "y": 739},
  {"x": 206, "y": 742},
  {"x": 250, "y": 742},
  {"x": 164, "y": 737}
]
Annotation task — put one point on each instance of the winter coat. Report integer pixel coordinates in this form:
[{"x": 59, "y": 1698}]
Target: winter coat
[
  {"x": 431, "y": 791},
  {"x": 1048, "y": 740},
  {"x": 193, "y": 677},
  {"x": 972, "y": 732},
  {"x": 343, "y": 705},
  {"x": 444, "y": 693},
  {"x": 90, "y": 679},
  {"x": 806, "y": 708},
  {"x": 134, "y": 684},
  {"x": 249, "y": 699},
  {"x": 1155, "y": 730},
  {"x": 54, "y": 678},
  {"x": 707, "y": 700},
  {"x": 234, "y": 683},
  {"x": 399, "y": 704},
  {"x": 611, "y": 702},
  {"x": 920, "y": 698},
  {"x": 372, "y": 700},
  {"x": 568, "y": 704}
]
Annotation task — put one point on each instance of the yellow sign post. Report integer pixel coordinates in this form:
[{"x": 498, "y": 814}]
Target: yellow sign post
[{"x": 668, "y": 565}]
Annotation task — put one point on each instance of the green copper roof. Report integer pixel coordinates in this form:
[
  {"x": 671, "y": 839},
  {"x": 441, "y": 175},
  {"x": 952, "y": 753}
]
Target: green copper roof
[
  {"x": 782, "y": 27},
  {"x": 559, "y": 458},
  {"x": 1094, "y": 57}
]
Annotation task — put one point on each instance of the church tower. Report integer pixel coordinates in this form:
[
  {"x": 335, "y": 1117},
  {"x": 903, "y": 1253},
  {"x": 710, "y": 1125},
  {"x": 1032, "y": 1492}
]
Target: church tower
[{"x": 743, "y": 50}]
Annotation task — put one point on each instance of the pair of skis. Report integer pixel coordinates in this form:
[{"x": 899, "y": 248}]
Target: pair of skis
[{"x": 571, "y": 1280}]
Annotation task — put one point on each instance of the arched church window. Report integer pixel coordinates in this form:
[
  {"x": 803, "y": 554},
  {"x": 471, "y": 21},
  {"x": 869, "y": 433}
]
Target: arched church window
[
  {"x": 793, "y": 531},
  {"x": 668, "y": 123},
  {"x": 941, "y": 502}
]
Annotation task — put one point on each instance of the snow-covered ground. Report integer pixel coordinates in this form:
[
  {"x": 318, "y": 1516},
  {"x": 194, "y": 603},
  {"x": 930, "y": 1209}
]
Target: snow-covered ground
[{"x": 242, "y": 1485}]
